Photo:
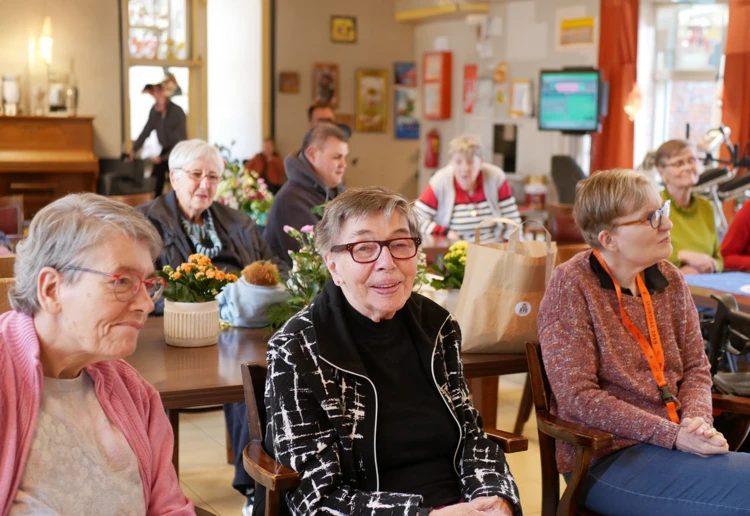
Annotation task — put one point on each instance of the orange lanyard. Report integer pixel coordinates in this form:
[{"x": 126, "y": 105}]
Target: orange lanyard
[{"x": 653, "y": 350}]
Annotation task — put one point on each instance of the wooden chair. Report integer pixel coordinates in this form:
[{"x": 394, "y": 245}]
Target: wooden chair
[
  {"x": 133, "y": 199},
  {"x": 587, "y": 440},
  {"x": 277, "y": 478},
  {"x": 5, "y": 285},
  {"x": 562, "y": 227},
  {"x": 7, "y": 263},
  {"x": 567, "y": 251}
]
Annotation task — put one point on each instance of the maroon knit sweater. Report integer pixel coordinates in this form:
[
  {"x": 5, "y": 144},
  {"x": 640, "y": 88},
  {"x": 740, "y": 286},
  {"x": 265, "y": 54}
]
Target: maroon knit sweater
[{"x": 596, "y": 368}]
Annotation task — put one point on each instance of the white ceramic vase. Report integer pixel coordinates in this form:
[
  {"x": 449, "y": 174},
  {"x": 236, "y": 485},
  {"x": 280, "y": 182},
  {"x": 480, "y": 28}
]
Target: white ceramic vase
[{"x": 191, "y": 325}]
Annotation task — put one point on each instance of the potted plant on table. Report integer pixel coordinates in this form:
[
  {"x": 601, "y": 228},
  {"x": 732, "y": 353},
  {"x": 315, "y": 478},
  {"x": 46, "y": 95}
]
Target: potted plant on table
[
  {"x": 243, "y": 190},
  {"x": 448, "y": 276},
  {"x": 191, "y": 311}
]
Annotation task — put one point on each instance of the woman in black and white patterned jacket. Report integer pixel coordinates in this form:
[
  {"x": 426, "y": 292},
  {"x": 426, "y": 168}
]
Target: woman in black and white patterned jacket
[{"x": 365, "y": 396}]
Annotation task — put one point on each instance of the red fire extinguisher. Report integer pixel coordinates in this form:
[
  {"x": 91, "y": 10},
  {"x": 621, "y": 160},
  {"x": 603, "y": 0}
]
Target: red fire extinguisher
[{"x": 432, "y": 153}]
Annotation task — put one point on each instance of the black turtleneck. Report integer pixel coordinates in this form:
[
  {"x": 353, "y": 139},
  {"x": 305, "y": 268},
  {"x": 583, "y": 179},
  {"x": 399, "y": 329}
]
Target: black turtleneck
[{"x": 416, "y": 435}]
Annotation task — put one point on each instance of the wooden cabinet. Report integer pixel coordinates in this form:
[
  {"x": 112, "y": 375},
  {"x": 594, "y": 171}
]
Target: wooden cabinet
[{"x": 45, "y": 158}]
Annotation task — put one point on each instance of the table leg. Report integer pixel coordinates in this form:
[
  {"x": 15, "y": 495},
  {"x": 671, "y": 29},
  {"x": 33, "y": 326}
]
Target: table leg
[
  {"x": 230, "y": 452},
  {"x": 524, "y": 411},
  {"x": 484, "y": 393},
  {"x": 174, "y": 420}
]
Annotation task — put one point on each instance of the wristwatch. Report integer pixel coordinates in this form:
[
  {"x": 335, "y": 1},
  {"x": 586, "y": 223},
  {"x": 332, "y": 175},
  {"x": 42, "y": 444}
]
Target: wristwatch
[{"x": 424, "y": 511}]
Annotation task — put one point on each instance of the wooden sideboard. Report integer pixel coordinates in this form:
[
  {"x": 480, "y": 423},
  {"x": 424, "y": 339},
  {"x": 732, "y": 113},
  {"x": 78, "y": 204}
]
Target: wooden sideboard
[{"x": 45, "y": 158}]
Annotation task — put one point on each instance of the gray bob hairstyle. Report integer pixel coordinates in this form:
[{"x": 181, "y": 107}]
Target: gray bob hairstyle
[
  {"x": 190, "y": 150},
  {"x": 356, "y": 203},
  {"x": 64, "y": 232}
]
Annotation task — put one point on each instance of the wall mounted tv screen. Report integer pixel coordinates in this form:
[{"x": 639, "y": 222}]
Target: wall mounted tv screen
[{"x": 569, "y": 100}]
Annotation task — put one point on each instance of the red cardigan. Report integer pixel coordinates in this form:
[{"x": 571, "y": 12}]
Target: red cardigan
[
  {"x": 596, "y": 369},
  {"x": 736, "y": 245}
]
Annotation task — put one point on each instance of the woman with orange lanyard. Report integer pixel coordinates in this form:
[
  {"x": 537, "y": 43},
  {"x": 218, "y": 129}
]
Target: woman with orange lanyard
[{"x": 623, "y": 352}]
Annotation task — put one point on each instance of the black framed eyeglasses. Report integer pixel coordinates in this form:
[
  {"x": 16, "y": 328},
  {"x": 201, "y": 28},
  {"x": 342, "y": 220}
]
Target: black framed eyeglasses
[
  {"x": 369, "y": 251},
  {"x": 654, "y": 219},
  {"x": 127, "y": 284}
]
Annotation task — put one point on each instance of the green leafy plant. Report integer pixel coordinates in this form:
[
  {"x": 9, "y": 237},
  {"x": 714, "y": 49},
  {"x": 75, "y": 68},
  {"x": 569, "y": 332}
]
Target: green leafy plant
[
  {"x": 306, "y": 279},
  {"x": 451, "y": 268},
  {"x": 196, "y": 281}
]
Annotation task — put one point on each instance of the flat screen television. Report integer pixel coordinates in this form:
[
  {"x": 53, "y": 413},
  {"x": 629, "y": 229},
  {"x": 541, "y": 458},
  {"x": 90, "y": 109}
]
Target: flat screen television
[{"x": 569, "y": 100}]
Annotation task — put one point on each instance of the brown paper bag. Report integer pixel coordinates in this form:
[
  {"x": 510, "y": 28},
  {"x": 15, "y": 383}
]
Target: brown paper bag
[{"x": 503, "y": 286}]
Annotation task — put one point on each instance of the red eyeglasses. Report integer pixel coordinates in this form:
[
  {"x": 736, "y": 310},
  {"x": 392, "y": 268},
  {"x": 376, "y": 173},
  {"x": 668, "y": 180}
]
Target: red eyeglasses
[{"x": 127, "y": 284}]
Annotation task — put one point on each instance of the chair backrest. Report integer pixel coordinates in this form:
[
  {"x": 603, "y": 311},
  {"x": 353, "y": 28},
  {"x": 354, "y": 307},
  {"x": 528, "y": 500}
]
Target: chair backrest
[
  {"x": 562, "y": 227},
  {"x": 730, "y": 330},
  {"x": 254, "y": 383},
  {"x": 7, "y": 263},
  {"x": 541, "y": 393},
  {"x": 565, "y": 174},
  {"x": 5, "y": 285},
  {"x": 567, "y": 251},
  {"x": 11, "y": 214},
  {"x": 133, "y": 199}
]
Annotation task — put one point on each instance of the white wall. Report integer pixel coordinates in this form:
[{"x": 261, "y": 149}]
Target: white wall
[
  {"x": 525, "y": 59},
  {"x": 235, "y": 75},
  {"x": 89, "y": 32}
]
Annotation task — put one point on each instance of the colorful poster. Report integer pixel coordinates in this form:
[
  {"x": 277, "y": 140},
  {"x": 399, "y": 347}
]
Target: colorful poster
[
  {"x": 471, "y": 74},
  {"x": 576, "y": 33},
  {"x": 405, "y": 83}
]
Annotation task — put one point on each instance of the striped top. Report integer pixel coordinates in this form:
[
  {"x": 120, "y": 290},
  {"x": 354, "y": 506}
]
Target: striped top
[{"x": 469, "y": 210}]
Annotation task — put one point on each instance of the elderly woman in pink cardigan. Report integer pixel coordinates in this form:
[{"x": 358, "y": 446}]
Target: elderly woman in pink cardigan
[{"x": 81, "y": 432}]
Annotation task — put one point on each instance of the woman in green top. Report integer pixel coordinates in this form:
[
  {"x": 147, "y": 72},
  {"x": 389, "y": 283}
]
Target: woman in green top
[{"x": 695, "y": 242}]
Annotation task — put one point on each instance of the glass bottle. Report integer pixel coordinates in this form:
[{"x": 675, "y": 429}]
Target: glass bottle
[{"x": 71, "y": 93}]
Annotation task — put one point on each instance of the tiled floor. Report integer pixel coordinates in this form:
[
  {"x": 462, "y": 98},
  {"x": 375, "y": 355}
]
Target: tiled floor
[{"x": 206, "y": 478}]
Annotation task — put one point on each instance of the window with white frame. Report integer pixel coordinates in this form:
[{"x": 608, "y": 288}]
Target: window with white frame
[{"x": 689, "y": 46}]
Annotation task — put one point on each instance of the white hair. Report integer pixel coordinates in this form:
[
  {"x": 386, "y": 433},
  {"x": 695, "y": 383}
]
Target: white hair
[
  {"x": 190, "y": 150},
  {"x": 64, "y": 232}
]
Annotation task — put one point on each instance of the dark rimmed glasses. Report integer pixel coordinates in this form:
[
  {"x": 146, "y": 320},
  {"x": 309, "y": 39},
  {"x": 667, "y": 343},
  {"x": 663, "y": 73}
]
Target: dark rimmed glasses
[
  {"x": 198, "y": 175},
  {"x": 127, "y": 284},
  {"x": 654, "y": 219},
  {"x": 369, "y": 251}
]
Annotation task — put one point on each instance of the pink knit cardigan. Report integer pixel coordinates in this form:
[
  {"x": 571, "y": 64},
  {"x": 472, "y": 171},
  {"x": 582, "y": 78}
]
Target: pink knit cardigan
[{"x": 130, "y": 403}]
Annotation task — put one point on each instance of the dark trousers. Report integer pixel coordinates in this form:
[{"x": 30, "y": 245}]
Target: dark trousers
[
  {"x": 235, "y": 415},
  {"x": 160, "y": 172}
]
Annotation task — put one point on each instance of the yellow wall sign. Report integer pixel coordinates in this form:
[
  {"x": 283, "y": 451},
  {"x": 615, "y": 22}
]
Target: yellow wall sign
[
  {"x": 577, "y": 33},
  {"x": 343, "y": 29}
]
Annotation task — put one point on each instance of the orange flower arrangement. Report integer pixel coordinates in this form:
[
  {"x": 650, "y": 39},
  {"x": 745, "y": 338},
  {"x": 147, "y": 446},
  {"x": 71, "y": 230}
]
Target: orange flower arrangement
[{"x": 196, "y": 281}]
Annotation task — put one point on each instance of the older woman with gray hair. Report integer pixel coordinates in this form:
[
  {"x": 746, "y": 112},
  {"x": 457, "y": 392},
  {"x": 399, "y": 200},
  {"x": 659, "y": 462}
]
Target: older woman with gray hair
[
  {"x": 82, "y": 432},
  {"x": 189, "y": 221},
  {"x": 366, "y": 395},
  {"x": 464, "y": 193}
]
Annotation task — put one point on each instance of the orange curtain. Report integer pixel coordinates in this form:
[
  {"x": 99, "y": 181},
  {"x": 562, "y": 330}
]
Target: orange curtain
[
  {"x": 618, "y": 49},
  {"x": 736, "y": 101}
]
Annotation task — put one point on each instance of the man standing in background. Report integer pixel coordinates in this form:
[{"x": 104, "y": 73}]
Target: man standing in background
[{"x": 168, "y": 120}]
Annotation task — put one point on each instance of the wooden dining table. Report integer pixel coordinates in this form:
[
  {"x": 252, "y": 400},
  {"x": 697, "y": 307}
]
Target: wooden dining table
[{"x": 195, "y": 377}]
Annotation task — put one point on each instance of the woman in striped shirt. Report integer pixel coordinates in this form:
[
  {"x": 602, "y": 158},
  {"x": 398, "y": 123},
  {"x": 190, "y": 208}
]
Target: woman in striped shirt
[{"x": 467, "y": 191}]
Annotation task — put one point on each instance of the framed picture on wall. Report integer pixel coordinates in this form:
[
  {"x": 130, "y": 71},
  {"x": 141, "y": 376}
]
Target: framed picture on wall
[
  {"x": 521, "y": 101},
  {"x": 288, "y": 82},
  {"x": 405, "y": 94},
  {"x": 326, "y": 83},
  {"x": 436, "y": 85},
  {"x": 372, "y": 101},
  {"x": 343, "y": 29}
]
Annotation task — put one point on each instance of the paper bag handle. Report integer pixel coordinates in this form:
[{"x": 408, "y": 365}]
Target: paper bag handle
[
  {"x": 515, "y": 236},
  {"x": 493, "y": 220}
]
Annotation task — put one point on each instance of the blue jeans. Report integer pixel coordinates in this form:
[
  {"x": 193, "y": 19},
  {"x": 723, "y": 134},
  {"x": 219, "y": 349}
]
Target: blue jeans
[
  {"x": 650, "y": 480},
  {"x": 235, "y": 415}
]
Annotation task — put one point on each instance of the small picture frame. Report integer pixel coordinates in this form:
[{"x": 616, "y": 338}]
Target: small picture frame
[
  {"x": 288, "y": 82},
  {"x": 343, "y": 29},
  {"x": 326, "y": 84},
  {"x": 372, "y": 101},
  {"x": 521, "y": 99}
]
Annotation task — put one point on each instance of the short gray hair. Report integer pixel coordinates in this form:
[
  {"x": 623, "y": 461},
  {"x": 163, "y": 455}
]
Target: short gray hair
[
  {"x": 64, "y": 232},
  {"x": 318, "y": 134},
  {"x": 356, "y": 203},
  {"x": 191, "y": 150}
]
